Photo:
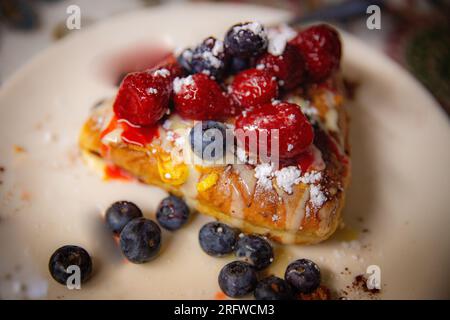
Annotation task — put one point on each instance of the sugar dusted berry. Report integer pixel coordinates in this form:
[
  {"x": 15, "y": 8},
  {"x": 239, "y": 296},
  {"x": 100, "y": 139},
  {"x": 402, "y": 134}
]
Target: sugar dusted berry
[
  {"x": 208, "y": 57},
  {"x": 295, "y": 133},
  {"x": 199, "y": 97},
  {"x": 246, "y": 40},
  {"x": 289, "y": 67},
  {"x": 321, "y": 49},
  {"x": 143, "y": 97},
  {"x": 171, "y": 64},
  {"x": 185, "y": 58},
  {"x": 253, "y": 87}
]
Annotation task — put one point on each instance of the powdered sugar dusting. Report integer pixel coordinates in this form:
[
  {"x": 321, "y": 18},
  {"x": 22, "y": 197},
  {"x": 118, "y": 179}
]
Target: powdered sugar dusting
[
  {"x": 218, "y": 48},
  {"x": 311, "y": 177},
  {"x": 162, "y": 73},
  {"x": 212, "y": 59},
  {"x": 179, "y": 83},
  {"x": 278, "y": 38},
  {"x": 287, "y": 177},
  {"x": 187, "y": 55},
  {"x": 264, "y": 174},
  {"x": 317, "y": 196},
  {"x": 254, "y": 27},
  {"x": 152, "y": 91}
]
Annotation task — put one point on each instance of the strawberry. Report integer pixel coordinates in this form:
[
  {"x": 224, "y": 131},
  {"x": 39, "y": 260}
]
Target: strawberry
[
  {"x": 253, "y": 87},
  {"x": 199, "y": 97},
  {"x": 143, "y": 97},
  {"x": 295, "y": 133},
  {"x": 288, "y": 67},
  {"x": 321, "y": 49}
]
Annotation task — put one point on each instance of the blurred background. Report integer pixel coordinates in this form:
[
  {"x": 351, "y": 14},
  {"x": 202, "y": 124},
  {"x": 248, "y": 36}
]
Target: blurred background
[{"x": 415, "y": 33}]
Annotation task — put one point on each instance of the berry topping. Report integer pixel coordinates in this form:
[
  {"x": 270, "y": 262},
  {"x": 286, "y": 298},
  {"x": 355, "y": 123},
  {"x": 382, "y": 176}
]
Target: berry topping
[
  {"x": 208, "y": 140},
  {"x": 237, "y": 279},
  {"x": 321, "y": 48},
  {"x": 172, "y": 213},
  {"x": 254, "y": 250},
  {"x": 170, "y": 64},
  {"x": 119, "y": 214},
  {"x": 67, "y": 256},
  {"x": 184, "y": 59},
  {"x": 239, "y": 64},
  {"x": 273, "y": 288},
  {"x": 217, "y": 239},
  {"x": 246, "y": 40},
  {"x": 199, "y": 97},
  {"x": 140, "y": 240},
  {"x": 295, "y": 133},
  {"x": 288, "y": 68},
  {"x": 303, "y": 275},
  {"x": 208, "y": 57},
  {"x": 253, "y": 87},
  {"x": 143, "y": 97}
]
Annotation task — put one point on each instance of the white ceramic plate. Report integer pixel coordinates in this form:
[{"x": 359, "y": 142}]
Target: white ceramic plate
[{"x": 48, "y": 198}]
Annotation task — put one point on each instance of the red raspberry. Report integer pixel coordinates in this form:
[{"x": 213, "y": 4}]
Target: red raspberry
[
  {"x": 143, "y": 97},
  {"x": 253, "y": 87},
  {"x": 199, "y": 97},
  {"x": 295, "y": 132},
  {"x": 288, "y": 67},
  {"x": 321, "y": 49},
  {"x": 170, "y": 63}
]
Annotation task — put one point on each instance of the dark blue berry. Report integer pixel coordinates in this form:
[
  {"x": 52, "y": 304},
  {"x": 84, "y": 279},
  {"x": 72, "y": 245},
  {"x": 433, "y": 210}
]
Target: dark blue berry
[
  {"x": 237, "y": 279},
  {"x": 208, "y": 140},
  {"x": 119, "y": 214},
  {"x": 67, "y": 256},
  {"x": 273, "y": 288},
  {"x": 185, "y": 58},
  {"x": 140, "y": 240},
  {"x": 172, "y": 213},
  {"x": 246, "y": 40},
  {"x": 303, "y": 275},
  {"x": 238, "y": 64},
  {"x": 208, "y": 57},
  {"x": 217, "y": 239},
  {"x": 254, "y": 250}
]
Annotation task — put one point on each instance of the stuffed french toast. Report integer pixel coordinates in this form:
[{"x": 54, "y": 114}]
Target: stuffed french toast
[{"x": 251, "y": 130}]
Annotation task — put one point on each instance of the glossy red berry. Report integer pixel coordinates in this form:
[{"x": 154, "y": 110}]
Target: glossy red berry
[
  {"x": 199, "y": 97},
  {"x": 321, "y": 49},
  {"x": 289, "y": 68},
  {"x": 171, "y": 64},
  {"x": 253, "y": 87},
  {"x": 295, "y": 133},
  {"x": 143, "y": 97}
]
